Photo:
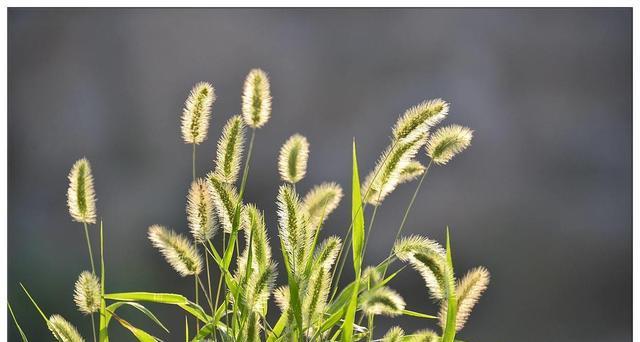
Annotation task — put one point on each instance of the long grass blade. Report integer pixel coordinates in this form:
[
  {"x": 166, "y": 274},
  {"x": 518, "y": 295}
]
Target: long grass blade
[
  {"x": 449, "y": 333},
  {"x": 15, "y": 321}
]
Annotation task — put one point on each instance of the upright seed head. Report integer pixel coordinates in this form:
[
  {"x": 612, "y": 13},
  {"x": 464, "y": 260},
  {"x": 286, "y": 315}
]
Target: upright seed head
[
  {"x": 320, "y": 201},
  {"x": 259, "y": 288},
  {"x": 225, "y": 201},
  {"x": 281, "y": 296},
  {"x": 177, "y": 250},
  {"x": 229, "y": 154},
  {"x": 420, "y": 118},
  {"x": 385, "y": 177},
  {"x": 315, "y": 298},
  {"x": 256, "y": 231},
  {"x": 62, "y": 330},
  {"x": 196, "y": 113},
  {"x": 256, "y": 99},
  {"x": 81, "y": 197},
  {"x": 468, "y": 292},
  {"x": 86, "y": 293},
  {"x": 293, "y": 227},
  {"x": 200, "y": 211},
  {"x": 292, "y": 162},
  {"x": 448, "y": 141},
  {"x": 395, "y": 334},
  {"x": 382, "y": 301}
]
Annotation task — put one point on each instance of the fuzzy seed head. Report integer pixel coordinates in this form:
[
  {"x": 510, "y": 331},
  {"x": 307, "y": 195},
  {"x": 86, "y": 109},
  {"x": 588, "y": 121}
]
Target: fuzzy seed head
[
  {"x": 411, "y": 171},
  {"x": 200, "y": 211},
  {"x": 281, "y": 296},
  {"x": 320, "y": 201},
  {"x": 327, "y": 252},
  {"x": 62, "y": 330},
  {"x": 428, "y": 258},
  {"x": 468, "y": 292},
  {"x": 395, "y": 334},
  {"x": 81, "y": 197},
  {"x": 229, "y": 154},
  {"x": 371, "y": 275},
  {"x": 419, "y": 119},
  {"x": 86, "y": 293},
  {"x": 196, "y": 113},
  {"x": 448, "y": 141},
  {"x": 424, "y": 335},
  {"x": 259, "y": 288},
  {"x": 292, "y": 162},
  {"x": 256, "y": 99},
  {"x": 293, "y": 227},
  {"x": 382, "y": 301},
  {"x": 225, "y": 202},
  {"x": 177, "y": 250},
  {"x": 315, "y": 298},
  {"x": 384, "y": 178},
  {"x": 256, "y": 231}
]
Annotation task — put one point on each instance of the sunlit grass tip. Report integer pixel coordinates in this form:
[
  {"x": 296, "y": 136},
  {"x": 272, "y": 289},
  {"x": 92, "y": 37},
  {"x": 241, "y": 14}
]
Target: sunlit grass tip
[
  {"x": 382, "y": 301},
  {"x": 62, "y": 330},
  {"x": 292, "y": 162},
  {"x": 81, "y": 198},
  {"x": 321, "y": 201},
  {"x": 197, "y": 112},
  {"x": 200, "y": 214},
  {"x": 177, "y": 250},
  {"x": 229, "y": 150},
  {"x": 256, "y": 99},
  {"x": 448, "y": 141},
  {"x": 468, "y": 292},
  {"x": 86, "y": 293},
  {"x": 418, "y": 119}
]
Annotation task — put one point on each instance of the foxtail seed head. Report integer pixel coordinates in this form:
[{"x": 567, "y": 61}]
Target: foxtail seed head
[
  {"x": 411, "y": 171},
  {"x": 320, "y": 201},
  {"x": 292, "y": 162},
  {"x": 196, "y": 113},
  {"x": 448, "y": 141},
  {"x": 86, "y": 293},
  {"x": 81, "y": 197},
  {"x": 395, "y": 334},
  {"x": 200, "y": 211},
  {"x": 225, "y": 200},
  {"x": 420, "y": 118},
  {"x": 256, "y": 99},
  {"x": 229, "y": 154},
  {"x": 429, "y": 259},
  {"x": 177, "y": 250},
  {"x": 62, "y": 330},
  {"x": 468, "y": 292},
  {"x": 382, "y": 301}
]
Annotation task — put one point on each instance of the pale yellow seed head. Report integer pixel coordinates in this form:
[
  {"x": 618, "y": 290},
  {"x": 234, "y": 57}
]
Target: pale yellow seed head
[
  {"x": 420, "y": 118},
  {"x": 382, "y": 301},
  {"x": 229, "y": 151},
  {"x": 81, "y": 198},
  {"x": 225, "y": 201},
  {"x": 428, "y": 258},
  {"x": 320, "y": 201},
  {"x": 411, "y": 171},
  {"x": 468, "y": 292},
  {"x": 256, "y": 99},
  {"x": 200, "y": 211},
  {"x": 448, "y": 141},
  {"x": 86, "y": 293},
  {"x": 395, "y": 334},
  {"x": 292, "y": 162},
  {"x": 62, "y": 330},
  {"x": 197, "y": 112},
  {"x": 177, "y": 250}
]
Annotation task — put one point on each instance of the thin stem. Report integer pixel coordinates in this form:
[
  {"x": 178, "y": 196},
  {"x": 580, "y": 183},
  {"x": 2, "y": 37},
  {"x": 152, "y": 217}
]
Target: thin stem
[
  {"x": 370, "y": 320},
  {"x": 206, "y": 260},
  {"x": 193, "y": 162},
  {"x": 195, "y": 278},
  {"x": 86, "y": 234},
  {"x": 204, "y": 291},
  {"x": 93, "y": 327},
  {"x": 366, "y": 237}
]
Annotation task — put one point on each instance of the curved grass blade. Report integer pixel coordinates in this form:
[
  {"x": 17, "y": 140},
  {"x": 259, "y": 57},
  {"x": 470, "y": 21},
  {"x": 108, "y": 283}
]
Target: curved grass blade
[
  {"x": 113, "y": 307},
  {"x": 15, "y": 321},
  {"x": 162, "y": 298},
  {"x": 140, "y": 334},
  {"x": 449, "y": 333}
]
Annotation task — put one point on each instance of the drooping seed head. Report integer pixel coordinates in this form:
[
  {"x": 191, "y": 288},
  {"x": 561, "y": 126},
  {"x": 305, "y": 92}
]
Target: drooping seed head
[
  {"x": 385, "y": 177},
  {"x": 86, "y": 293},
  {"x": 177, "y": 250},
  {"x": 448, "y": 141},
  {"x": 293, "y": 227},
  {"x": 320, "y": 201},
  {"x": 419, "y": 119},
  {"x": 395, "y": 334},
  {"x": 326, "y": 254},
  {"x": 292, "y": 162},
  {"x": 468, "y": 292},
  {"x": 62, "y": 330},
  {"x": 411, "y": 171},
  {"x": 200, "y": 211},
  {"x": 81, "y": 197},
  {"x": 225, "y": 201},
  {"x": 382, "y": 301},
  {"x": 196, "y": 113},
  {"x": 256, "y": 99},
  {"x": 229, "y": 154}
]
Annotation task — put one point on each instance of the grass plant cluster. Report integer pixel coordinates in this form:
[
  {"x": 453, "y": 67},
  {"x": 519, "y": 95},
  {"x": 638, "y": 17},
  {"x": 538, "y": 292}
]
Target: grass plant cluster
[{"x": 312, "y": 307}]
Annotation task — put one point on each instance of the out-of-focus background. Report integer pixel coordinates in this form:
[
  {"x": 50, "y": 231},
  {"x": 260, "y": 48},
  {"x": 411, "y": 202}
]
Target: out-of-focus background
[{"x": 542, "y": 198}]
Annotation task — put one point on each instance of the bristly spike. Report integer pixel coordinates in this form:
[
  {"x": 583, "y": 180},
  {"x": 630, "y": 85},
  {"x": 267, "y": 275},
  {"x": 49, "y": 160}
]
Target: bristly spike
[
  {"x": 256, "y": 99},
  {"x": 257, "y": 232},
  {"x": 384, "y": 178},
  {"x": 229, "y": 153},
  {"x": 177, "y": 250},
  {"x": 200, "y": 211},
  {"x": 448, "y": 141},
  {"x": 382, "y": 301},
  {"x": 281, "y": 297},
  {"x": 292, "y": 162},
  {"x": 395, "y": 334},
  {"x": 320, "y": 201},
  {"x": 62, "y": 330},
  {"x": 315, "y": 299},
  {"x": 468, "y": 292},
  {"x": 411, "y": 171},
  {"x": 86, "y": 293},
  {"x": 429, "y": 259},
  {"x": 259, "y": 288},
  {"x": 420, "y": 118},
  {"x": 424, "y": 335},
  {"x": 197, "y": 112},
  {"x": 81, "y": 197},
  {"x": 327, "y": 252},
  {"x": 293, "y": 227},
  {"x": 225, "y": 200}
]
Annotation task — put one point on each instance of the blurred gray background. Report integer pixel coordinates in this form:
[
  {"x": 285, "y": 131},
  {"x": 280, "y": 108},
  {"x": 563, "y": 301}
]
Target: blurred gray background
[{"x": 542, "y": 198}]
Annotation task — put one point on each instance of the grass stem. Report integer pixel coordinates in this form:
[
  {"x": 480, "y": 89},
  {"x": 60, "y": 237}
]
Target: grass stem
[{"x": 86, "y": 234}]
